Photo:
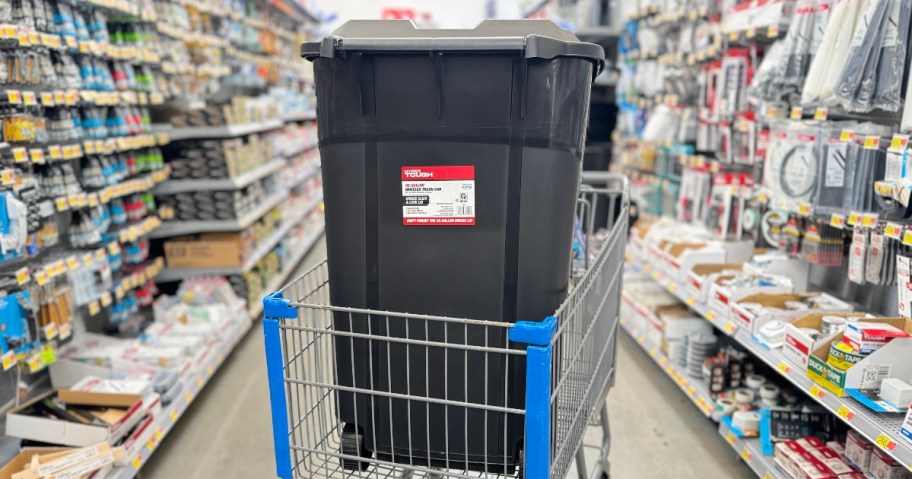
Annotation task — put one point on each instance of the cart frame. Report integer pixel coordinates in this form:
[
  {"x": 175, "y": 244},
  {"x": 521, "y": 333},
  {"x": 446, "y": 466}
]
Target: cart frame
[{"x": 569, "y": 366}]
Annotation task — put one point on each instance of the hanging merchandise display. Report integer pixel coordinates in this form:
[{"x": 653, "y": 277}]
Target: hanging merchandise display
[{"x": 796, "y": 185}]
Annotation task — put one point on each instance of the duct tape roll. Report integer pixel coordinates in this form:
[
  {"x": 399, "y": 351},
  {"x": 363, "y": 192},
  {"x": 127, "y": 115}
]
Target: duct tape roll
[
  {"x": 725, "y": 406},
  {"x": 843, "y": 356},
  {"x": 769, "y": 391},
  {"x": 744, "y": 396},
  {"x": 754, "y": 381},
  {"x": 746, "y": 421},
  {"x": 832, "y": 325}
]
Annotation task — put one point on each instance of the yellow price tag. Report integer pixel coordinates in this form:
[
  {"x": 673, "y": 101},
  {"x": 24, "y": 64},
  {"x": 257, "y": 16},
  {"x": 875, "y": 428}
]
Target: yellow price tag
[
  {"x": 14, "y": 97},
  {"x": 8, "y": 177},
  {"x": 37, "y": 155},
  {"x": 729, "y": 327},
  {"x": 885, "y": 442},
  {"x": 23, "y": 275},
  {"x": 773, "y": 31},
  {"x": 847, "y": 135},
  {"x": 710, "y": 315},
  {"x": 751, "y": 32},
  {"x": 783, "y": 367},
  {"x": 869, "y": 220},
  {"x": 731, "y": 439},
  {"x": 94, "y": 308},
  {"x": 732, "y": 36},
  {"x": 50, "y": 331},
  {"x": 746, "y": 455},
  {"x": 137, "y": 462},
  {"x": 796, "y": 113},
  {"x": 872, "y": 142},
  {"x": 899, "y": 142},
  {"x": 816, "y": 392},
  {"x": 72, "y": 262},
  {"x": 20, "y": 154},
  {"x": 41, "y": 277},
  {"x": 672, "y": 287},
  {"x": 845, "y": 413},
  {"x": 29, "y": 98},
  {"x": 106, "y": 300},
  {"x": 893, "y": 230},
  {"x": 62, "y": 203},
  {"x": 854, "y": 218},
  {"x": 47, "y": 98},
  {"x": 9, "y": 359},
  {"x": 173, "y": 415},
  {"x": 159, "y": 434},
  {"x": 804, "y": 209},
  {"x": 691, "y": 301},
  {"x": 820, "y": 114},
  {"x": 837, "y": 221}
]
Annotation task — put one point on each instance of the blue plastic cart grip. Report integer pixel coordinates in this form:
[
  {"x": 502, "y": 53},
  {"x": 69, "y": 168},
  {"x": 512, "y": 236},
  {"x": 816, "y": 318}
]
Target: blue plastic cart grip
[
  {"x": 538, "y": 412},
  {"x": 275, "y": 370}
]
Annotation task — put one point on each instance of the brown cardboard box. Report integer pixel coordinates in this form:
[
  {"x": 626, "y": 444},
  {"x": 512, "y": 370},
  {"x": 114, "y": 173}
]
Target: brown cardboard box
[
  {"x": 19, "y": 461},
  {"x": 216, "y": 250}
]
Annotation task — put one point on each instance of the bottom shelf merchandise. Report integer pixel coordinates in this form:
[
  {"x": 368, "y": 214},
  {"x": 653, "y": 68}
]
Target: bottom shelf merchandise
[{"x": 801, "y": 383}]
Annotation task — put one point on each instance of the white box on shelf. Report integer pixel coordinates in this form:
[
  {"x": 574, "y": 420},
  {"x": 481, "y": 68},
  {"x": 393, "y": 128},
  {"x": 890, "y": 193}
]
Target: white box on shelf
[
  {"x": 701, "y": 276},
  {"x": 798, "y": 344}
]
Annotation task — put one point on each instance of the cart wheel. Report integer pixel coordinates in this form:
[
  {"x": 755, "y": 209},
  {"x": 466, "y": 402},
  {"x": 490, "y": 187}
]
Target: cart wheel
[{"x": 353, "y": 445}]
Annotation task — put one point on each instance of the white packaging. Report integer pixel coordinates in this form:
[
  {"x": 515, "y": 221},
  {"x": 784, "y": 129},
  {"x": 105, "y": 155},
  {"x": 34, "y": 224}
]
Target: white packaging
[
  {"x": 858, "y": 451},
  {"x": 884, "y": 467},
  {"x": 869, "y": 337},
  {"x": 94, "y": 384},
  {"x": 896, "y": 392}
]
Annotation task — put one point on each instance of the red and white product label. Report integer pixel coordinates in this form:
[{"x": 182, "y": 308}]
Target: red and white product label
[{"x": 438, "y": 195}]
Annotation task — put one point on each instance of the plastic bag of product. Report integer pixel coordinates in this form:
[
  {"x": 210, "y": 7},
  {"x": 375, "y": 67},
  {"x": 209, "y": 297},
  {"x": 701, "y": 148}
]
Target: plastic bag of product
[
  {"x": 863, "y": 51},
  {"x": 761, "y": 87},
  {"x": 893, "y": 57},
  {"x": 837, "y": 24},
  {"x": 798, "y": 40},
  {"x": 840, "y": 52}
]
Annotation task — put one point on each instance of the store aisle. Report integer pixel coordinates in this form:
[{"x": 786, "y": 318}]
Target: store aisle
[{"x": 656, "y": 432}]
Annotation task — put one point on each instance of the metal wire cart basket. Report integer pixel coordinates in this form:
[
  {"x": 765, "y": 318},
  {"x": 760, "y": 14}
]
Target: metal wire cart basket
[{"x": 568, "y": 362}]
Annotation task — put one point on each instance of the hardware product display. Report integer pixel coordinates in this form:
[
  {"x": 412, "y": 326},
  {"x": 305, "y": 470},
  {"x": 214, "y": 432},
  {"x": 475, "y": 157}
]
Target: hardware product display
[{"x": 801, "y": 155}]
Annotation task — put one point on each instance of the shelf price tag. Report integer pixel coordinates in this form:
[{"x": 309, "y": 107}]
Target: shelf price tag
[
  {"x": 820, "y": 114},
  {"x": 796, "y": 113},
  {"x": 731, "y": 439},
  {"x": 23, "y": 276},
  {"x": 837, "y": 221},
  {"x": 893, "y": 230},
  {"x": 173, "y": 415},
  {"x": 47, "y": 98},
  {"x": 50, "y": 331},
  {"x": 845, "y": 413},
  {"x": 729, "y": 328},
  {"x": 14, "y": 97},
  {"x": 94, "y": 308},
  {"x": 106, "y": 300},
  {"x": 746, "y": 455},
  {"x": 869, "y": 220},
  {"x": 8, "y": 360},
  {"x": 854, "y": 218},
  {"x": 62, "y": 203},
  {"x": 72, "y": 263},
  {"x": 899, "y": 142},
  {"x": 37, "y": 155},
  {"x": 41, "y": 277},
  {"x": 710, "y": 315},
  {"x": 872, "y": 142},
  {"x": 847, "y": 135},
  {"x": 137, "y": 462},
  {"x": 672, "y": 287},
  {"x": 816, "y": 391},
  {"x": 804, "y": 209},
  {"x": 20, "y": 154},
  {"x": 783, "y": 367},
  {"x": 29, "y": 98},
  {"x": 885, "y": 442}
]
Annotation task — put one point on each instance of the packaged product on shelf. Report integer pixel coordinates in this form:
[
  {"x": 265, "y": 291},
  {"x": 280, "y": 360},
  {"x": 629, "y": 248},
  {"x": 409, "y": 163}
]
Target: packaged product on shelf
[
  {"x": 869, "y": 336},
  {"x": 40, "y": 463},
  {"x": 885, "y": 467},
  {"x": 857, "y": 81},
  {"x": 701, "y": 276},
  {"x": 753, "y": 311},
  {"x": 807, "y": 333},
  {"x": 892, "y": 64},
  {"x": 725, "y": 292},
  {"x": 859, "y": 451}
]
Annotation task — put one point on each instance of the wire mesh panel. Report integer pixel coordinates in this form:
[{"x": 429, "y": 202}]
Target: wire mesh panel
[{"x": 366, "y": 393}]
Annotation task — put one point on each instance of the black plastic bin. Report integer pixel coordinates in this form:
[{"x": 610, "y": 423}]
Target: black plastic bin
[{"x": 451, "y": 162}]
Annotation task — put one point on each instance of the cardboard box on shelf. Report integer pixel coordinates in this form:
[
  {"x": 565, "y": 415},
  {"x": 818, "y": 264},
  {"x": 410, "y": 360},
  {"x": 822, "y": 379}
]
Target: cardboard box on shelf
[
  {"x": 211, "y": 250},
  {"x": 864, "y": 380},
  {"x": 722, "y": 296},
  {"x": 799, "y": 344},
  {"x": 858, "y": 451},
  {"x": 823, "y": 373},
  {"x": 109, "y": 421},
  {"x": 701, "y": 276},
  {"x": 870, "y": 335},
  {"x": 21, "y": 461},
  {"x": 884, "y": 467},
  {"x": 745, "y": 317}
]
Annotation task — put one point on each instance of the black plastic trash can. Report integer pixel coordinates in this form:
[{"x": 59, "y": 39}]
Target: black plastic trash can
[{"x": 451, "y": 163}]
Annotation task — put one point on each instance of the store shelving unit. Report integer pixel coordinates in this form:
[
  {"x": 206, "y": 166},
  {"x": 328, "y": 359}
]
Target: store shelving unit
[
  {"x": 694, "y": 389},
  {"x": 176, "y": 274},
  {"x": 881, "y": 429},
  {"x": 751, "y": 454},
  {"x": 282, "y": 278},
  {"x": 194, "y": 379},
  {"x": 238, "y": 182},
  {"x": 211, "y": 132},
  {"x": 177, "y": 228}
]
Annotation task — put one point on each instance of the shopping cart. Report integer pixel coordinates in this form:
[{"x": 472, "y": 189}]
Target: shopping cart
[{"x": 569, "y": 367}]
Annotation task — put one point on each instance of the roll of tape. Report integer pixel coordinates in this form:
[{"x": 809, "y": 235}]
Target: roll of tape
[
  {"x": 754, "y": 381},
  {"x": 769, "y": 391},
  {"x": 746, "y": 420},
  {"x": 843, "y": 356},
  {"x": 725, "y": 406},
  {"x": 744, "y": 395}
]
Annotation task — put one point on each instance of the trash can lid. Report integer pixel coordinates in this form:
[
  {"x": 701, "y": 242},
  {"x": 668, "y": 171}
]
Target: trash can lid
[{"x": 536, "y": 38}]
